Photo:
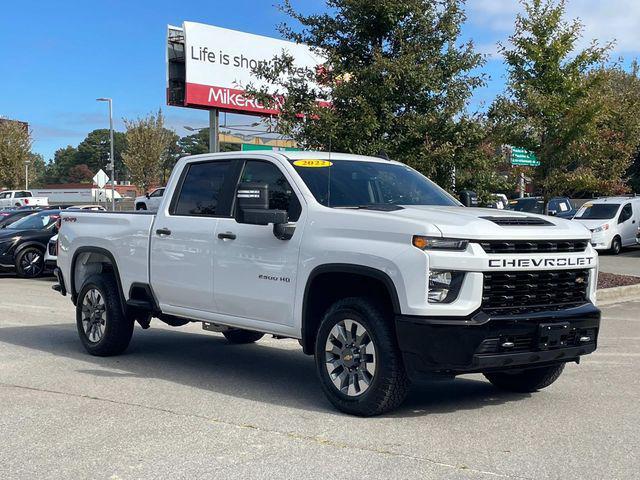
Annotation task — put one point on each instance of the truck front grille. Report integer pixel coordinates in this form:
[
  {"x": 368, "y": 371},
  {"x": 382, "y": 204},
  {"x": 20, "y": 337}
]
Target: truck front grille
[
  {"x": 512, "y": 293},
  {"x": 534, "y": 246}
]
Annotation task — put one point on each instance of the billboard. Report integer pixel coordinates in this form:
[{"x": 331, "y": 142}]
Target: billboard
[{"x": 218, "y": 64}]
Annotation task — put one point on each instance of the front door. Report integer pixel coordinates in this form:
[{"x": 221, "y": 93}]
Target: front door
[
  {"x": 255, "y": 271},
  {"x": 182, "y": 240},
  {"x": 627, "y": 225}
]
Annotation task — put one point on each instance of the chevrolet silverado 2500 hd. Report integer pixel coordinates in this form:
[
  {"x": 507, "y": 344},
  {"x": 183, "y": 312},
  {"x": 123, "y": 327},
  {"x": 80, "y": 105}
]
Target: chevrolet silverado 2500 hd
[{"x": 378, "y": 272}]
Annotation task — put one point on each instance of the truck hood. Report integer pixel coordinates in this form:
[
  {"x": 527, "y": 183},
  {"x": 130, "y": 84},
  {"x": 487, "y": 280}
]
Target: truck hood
[{"x": 480, "y": 223}]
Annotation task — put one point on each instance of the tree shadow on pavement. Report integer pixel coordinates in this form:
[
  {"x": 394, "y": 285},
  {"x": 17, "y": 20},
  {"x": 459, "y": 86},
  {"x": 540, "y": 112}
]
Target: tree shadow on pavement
[{"x": 259, "y": 372}]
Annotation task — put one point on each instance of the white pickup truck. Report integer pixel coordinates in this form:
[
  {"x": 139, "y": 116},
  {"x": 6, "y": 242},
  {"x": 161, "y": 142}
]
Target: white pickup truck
[
  {"x": 378, "y": 272},
  {"x": 21, "y": 198}
]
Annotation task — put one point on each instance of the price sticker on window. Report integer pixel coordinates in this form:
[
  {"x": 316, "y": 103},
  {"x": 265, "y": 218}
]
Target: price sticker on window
[{"x": 310, "y": 163}]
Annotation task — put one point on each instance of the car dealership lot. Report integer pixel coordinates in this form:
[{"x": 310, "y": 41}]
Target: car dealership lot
[
  {"x": 627, "y": 263},
  {"x": 182, "y": 403}
]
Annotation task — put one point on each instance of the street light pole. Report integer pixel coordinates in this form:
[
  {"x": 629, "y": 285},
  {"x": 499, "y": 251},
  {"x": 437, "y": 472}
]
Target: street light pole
[
  {"x": 112, "y": 162},
  {"x": 26, "y": 174}
]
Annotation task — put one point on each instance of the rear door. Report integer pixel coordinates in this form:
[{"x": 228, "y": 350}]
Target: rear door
[
  {"x": 255, "y": 271},
  {"x": 182, "y": 239}
]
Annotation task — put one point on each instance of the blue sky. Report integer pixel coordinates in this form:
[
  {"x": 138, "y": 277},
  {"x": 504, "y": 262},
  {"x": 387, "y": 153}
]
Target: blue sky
[{"x": 58, "y": 57}]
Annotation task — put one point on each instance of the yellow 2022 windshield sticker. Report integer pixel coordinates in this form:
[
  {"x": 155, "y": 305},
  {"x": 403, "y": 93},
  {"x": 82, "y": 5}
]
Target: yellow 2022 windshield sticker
[{"x": 313, "y": 163}]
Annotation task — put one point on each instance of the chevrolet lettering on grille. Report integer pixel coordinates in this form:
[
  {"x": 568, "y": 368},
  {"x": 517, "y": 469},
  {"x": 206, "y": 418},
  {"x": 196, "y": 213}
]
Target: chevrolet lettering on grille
[{"x": 541, "y": 262}]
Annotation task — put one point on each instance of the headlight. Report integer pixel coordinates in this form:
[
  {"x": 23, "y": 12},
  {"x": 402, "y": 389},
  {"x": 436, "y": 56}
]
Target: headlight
[
  {"x": 601, "y": 228},
  {"x": 436, "y": 243},
  {"x": 444, "y": 286}
]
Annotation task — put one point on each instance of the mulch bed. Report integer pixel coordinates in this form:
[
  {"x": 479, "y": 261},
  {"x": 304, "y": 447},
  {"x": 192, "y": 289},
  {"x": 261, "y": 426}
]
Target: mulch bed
[{"x": 609, "y": 280}]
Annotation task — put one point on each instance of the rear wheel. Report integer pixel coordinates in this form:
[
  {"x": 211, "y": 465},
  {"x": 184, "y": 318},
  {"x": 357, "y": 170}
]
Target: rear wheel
[
  {"x": 141, "y": 206},
  {"x": 30, "y": 262},
  {"x": 616, "y": 246},
  {"x": 242, "y": 336},
  {"x": 357, "y": 359},
  {"x": 103, "y": 328},
  {"x": 526, "y": 381}
]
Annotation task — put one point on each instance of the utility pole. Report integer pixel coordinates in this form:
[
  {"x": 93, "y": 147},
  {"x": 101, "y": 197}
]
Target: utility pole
[
  {"x": 111, "y": 165},
  {"x": 214, "y": 127}
]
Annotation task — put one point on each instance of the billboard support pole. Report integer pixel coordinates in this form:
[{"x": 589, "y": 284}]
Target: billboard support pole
[{"x": 214, "y": 124}]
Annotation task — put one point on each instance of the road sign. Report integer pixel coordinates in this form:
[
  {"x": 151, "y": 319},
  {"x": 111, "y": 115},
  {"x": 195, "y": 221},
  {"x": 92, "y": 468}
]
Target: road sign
[
  {"x": 520, "y": 156},
  {"x": 100, "y": 179}
]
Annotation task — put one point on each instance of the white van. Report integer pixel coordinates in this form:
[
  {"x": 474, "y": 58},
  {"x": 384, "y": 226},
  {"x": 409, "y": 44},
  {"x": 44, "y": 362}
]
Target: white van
[{"x": 613, "y": 222}]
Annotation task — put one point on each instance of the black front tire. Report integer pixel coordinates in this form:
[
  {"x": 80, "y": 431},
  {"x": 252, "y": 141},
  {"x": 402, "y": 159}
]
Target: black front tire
[
  {"x": 389, "y": 384},
  {"x": 30, "y": 262},
  {"x": 526, "y": 381},
  {"x": 616, "y": 246},
  {"x": 117, "y": 328},
  {"x": 141, "y": 206},
  {"x": 239, "y": 336}
]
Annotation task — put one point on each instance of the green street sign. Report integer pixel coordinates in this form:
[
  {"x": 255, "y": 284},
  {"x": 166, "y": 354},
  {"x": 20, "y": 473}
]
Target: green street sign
[
  {"x": 520, "y": 156},
  {"x": 252, "y": 147}
]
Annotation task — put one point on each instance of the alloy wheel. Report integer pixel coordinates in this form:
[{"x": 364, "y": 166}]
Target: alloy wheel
[
  {"x": 350, "y": 357},
  {"x": 94, "y": 315},
  {"x": 31, "y": 263}
]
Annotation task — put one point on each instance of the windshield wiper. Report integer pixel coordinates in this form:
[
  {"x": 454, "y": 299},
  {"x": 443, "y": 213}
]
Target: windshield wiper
[{"x": 383, "y": 207}]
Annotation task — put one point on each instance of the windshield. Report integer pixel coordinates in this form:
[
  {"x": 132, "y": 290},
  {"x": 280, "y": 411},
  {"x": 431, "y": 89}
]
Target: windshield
[
  {"x": 529, "y": 205},
  {"x": 347, "y": 183},
  {"x": 598, "y": 211},
  {"x": 36, "y": 221}
]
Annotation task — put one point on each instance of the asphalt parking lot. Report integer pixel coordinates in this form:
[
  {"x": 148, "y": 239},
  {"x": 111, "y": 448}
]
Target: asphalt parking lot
[
  {"x": 183, "y": 403},
  {"x": 627, "y": 263}
]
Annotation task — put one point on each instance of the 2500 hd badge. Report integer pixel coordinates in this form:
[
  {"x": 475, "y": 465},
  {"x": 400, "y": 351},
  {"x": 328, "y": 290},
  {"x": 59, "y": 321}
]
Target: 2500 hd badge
[{"x": 541, "y": 262}]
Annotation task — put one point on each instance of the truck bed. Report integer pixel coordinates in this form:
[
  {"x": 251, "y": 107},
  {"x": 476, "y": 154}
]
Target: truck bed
[{"x": 125, "y": 235}]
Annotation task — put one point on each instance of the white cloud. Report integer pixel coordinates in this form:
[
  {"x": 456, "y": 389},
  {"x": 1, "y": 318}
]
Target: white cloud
[{"x": 604, "y": 21}]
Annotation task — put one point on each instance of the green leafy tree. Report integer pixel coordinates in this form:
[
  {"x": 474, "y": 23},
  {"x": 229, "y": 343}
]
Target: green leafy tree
[
  {"x": 93, "y": 152},
  {"x": 396, "y": 74},
  {"x": 64, "y": 159},
  {"x": 37, "y": 170},
  {"x": 196, "y": 143},
  {"x": 550, "y": 106},
  {"x": 15, "y": 150},
  {"x": 148, "y": 144}
]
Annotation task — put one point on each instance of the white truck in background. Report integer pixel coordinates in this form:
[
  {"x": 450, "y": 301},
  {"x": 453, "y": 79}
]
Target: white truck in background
[
  {"x": 378, "y": 272},
  {"x": 21, "y": 198}
]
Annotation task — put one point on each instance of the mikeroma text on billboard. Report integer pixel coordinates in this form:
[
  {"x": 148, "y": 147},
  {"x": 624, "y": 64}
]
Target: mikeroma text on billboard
[{"x": 219, "y": 63}]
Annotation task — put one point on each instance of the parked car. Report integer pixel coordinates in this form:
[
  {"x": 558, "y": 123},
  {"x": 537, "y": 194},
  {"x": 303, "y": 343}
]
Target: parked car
[
  {"x": 51, "y": 253},
  {"x": 557, "y": 206},
  {"x": 150, "y": 201},
  {"x": 7, "y": 217},
  {"x": 20, "y": 198},
  {"x": 376, "y": 270},
  {"x": 23, "y": 243},
  {"x": 613, "y": 222}
]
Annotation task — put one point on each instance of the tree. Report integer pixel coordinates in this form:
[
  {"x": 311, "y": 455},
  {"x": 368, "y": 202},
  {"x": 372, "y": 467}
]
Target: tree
[
  {"x": 93, "y": 151},
  {"x": 550, "y": 107},
  {"x": 396, "y": 77},
  {"x": 15, "y": 150},
  {"x": 80, "y": 174},
  {"x": 37, "y": 170},
  {"x": 196, "y": 143},
  {"x": 148, "y": 144},
  {"x": 64, "y": 159}
]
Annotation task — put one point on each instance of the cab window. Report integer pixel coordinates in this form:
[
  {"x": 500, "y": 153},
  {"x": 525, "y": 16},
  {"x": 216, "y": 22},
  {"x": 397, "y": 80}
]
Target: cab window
[
  {"x": 201, "y": 190},
  {"x": 281, "y": 195}
]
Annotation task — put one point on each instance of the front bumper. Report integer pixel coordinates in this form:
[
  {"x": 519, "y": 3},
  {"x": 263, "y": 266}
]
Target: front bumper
[{"x": 453, "y": 346}]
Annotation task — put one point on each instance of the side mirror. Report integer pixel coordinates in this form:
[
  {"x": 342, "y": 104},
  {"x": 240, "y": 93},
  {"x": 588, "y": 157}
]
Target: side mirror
[
  {"x": 147, "y": 195},
  {"x": 552, "y": 213},
  {"x": 253, "y": 206},
  {"x": 469, "y": 198}
]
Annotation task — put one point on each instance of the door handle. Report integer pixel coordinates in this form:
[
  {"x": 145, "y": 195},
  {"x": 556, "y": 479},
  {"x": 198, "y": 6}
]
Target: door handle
[
  {"x": 163, "y": 231},
  {"x": 227, "y": 236}
]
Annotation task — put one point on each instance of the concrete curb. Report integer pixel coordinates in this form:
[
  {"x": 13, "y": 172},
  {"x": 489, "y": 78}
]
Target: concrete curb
[{"x": 607, "y": 296}]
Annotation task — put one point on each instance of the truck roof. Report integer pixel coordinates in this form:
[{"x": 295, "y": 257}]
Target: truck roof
[{"x": 296, "y": 155}]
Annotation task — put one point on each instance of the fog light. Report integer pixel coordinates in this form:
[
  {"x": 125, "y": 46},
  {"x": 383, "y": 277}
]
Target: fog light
[{"x": 444, "y": 286}]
